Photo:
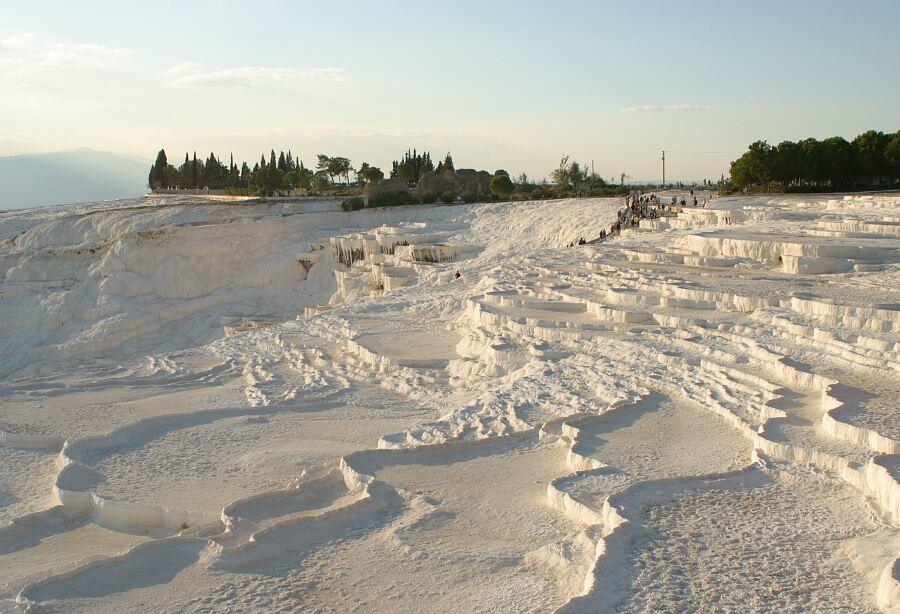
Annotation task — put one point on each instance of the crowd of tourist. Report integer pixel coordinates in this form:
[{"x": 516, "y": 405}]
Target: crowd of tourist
[{"x": 639, "y": 206}]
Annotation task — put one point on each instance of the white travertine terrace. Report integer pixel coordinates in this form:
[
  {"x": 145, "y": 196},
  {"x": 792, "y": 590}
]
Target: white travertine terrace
[{"x": 238, "y": 408}]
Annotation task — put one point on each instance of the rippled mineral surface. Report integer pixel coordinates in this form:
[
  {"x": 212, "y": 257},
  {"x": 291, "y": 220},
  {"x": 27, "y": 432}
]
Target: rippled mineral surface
[{"x": 220, "y": 408}]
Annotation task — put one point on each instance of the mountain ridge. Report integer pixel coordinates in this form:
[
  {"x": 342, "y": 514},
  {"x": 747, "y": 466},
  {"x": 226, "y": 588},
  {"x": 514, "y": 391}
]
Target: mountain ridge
[{"x": 62, "y": 177}]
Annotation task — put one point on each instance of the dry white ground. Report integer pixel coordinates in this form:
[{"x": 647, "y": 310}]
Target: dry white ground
[{"x": 700, "y": 415}]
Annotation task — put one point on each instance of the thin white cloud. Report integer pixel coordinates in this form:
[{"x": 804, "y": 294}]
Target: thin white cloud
[
  {"x": 84, "y": 54},
  {"x": 15, "y": 41},
  {"x": 660, "y": 108},
  {"x": 21, "y": 56},
  {"x": 193, "y": 75},
  {"x": 184, "y": 68}
]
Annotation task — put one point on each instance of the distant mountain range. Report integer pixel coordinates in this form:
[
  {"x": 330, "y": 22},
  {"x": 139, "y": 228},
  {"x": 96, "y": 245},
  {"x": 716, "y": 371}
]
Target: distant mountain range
[{"x": 80, "y": 175}]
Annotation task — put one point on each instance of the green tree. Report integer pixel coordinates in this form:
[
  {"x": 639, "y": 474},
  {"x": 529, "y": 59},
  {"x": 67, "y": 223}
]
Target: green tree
[
  {"x": 577, "y": 173},
  {"x": 420, "y": 163},
  {"x": 741, "y": 176},
  {"x": 561, "y": 174},
  {"x": 184, "y": 173},
  {"x": 756, "y": 167},
  {"x": 273, "y": 180},
  {"x": 340, "y": 167},
  {"x": 214, "y": 173},
  {"x": 157, "y": 178},
  {"x": 253, "y": 183},
  {"x": 596, "y": 180},
  {"x": 324, "y": 165},
  {"x": 869, "y": 148},
  {"x": 304, "y": 177},
  {"x": 369, "y": 174},
  {"x": 812, "y": 168},
  {"x": 837, "y": 156},
  {"x": 892, "y": 156},
  {"x": 406, "y": 171},
  {"x": 569, "y": 174},
  {"x": 171, "y": 177},
  {"x": 320, "y": 181},
  {"x": 362, "y": 172},
  {"x": 501, "y": 185},
  {"x": 787, "y": 163},
  {"x": 762, "y": 162},
  {"x": 447, "y": 165}
]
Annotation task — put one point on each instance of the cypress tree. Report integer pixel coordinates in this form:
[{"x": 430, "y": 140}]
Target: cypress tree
[
  {"x": 273, "y": 173},
  {"x": 157, "y": 178}
]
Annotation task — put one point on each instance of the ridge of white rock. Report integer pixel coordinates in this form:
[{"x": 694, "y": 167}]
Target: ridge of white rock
[{"x": 248, "y": 406}]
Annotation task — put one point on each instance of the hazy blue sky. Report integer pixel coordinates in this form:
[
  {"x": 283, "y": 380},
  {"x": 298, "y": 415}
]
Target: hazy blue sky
[{"x": 509, "y": 84}]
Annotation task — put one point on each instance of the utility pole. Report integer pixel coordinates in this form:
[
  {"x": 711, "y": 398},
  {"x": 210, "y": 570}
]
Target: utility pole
[{"x": 664, "y": 167}]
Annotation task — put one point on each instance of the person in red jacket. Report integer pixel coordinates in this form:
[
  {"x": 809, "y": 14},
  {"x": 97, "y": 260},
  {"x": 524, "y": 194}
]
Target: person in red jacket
[{"x": 457, "y": 276}]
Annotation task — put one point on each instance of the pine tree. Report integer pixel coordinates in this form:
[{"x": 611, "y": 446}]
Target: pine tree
[
  {"x": 158, "y": 172},
  {"x": 184, "y": 171},
  {"x": 211, "y": 175},
  {"x": 272, "y": 183}
]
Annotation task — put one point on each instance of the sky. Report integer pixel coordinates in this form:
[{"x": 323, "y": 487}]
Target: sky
[{"x": 511, "y": 85}]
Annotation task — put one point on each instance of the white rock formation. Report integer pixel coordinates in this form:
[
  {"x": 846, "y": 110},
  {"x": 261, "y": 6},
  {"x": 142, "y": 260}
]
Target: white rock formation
[{"x": 252, "y": 408}]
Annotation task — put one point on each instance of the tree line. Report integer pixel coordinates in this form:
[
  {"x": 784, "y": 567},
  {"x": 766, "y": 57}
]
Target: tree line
[
  {"x": 570, "y": 175},
  {"x": 872, "y": 159},
  {"x": 413, "y": 165},
  {"x": 284, "y": 172},
  {"x": 279, "y": 173}
]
